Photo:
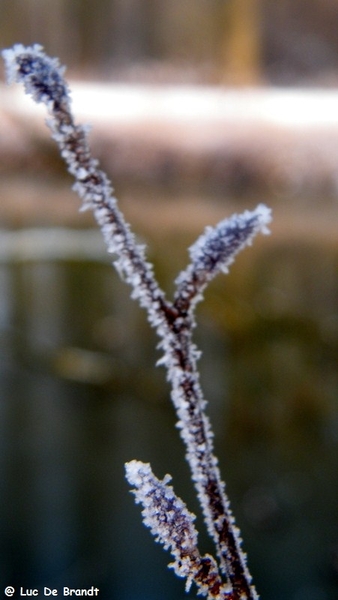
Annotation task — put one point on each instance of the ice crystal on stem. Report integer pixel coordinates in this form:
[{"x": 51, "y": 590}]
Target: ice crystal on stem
[
  {"x": 215, "y": 250},
  {"x": 212, "y": 253},
  {"x": 173, "y": 526}
]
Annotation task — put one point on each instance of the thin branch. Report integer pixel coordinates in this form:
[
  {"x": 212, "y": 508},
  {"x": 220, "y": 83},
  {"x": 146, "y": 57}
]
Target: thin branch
[
  {"x": 215, "y": 250},
  {"x": 212, "y": 253},
  {"x": 173, "y": 526}
]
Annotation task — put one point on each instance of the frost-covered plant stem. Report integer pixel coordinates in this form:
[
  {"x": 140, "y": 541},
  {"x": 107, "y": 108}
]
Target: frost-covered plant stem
[
  {"x": 174, "y": 321},
  {"x": 173, "y": 525}
]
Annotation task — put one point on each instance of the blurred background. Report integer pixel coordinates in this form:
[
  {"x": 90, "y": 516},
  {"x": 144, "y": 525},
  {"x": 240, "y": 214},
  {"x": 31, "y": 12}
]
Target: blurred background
[{"x": 198, "y": 109}]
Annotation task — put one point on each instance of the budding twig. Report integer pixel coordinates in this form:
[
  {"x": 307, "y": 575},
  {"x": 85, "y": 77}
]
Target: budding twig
[
  {"x": 173, "y": 526},
  {"x": 212, "y": 253}
]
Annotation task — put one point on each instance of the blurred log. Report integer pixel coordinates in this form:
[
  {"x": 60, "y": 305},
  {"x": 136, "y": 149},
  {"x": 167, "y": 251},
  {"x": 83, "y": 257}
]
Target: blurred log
[{"x": 204, "y": 140}]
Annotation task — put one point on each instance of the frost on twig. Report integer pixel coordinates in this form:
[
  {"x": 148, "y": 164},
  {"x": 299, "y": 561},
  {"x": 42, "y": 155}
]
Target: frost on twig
[
  {"x": 212, "y": 253},
  {"x": 43, "y": 79},
  {"x": 173, "y": 526},
  {"x": 215, "y": 250}
]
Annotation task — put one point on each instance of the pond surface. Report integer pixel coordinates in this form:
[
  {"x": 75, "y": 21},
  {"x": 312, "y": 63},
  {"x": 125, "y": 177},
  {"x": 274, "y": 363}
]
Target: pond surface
[{"x": 80, "y": 396}]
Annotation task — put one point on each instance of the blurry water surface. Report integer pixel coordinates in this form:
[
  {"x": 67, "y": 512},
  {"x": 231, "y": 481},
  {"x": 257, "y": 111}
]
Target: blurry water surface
[{"x": 80, "y": 396}]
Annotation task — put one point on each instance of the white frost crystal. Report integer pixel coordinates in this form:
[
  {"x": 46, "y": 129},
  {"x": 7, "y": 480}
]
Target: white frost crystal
[
  {"x": 41, "y": 75},
  {"x": 216, "y": 248},
  {"x": 172, "y": 524},
  {"x": 164, "y": 513}
]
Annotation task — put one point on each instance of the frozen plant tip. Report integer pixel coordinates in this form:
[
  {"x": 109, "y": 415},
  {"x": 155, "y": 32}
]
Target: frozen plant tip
[
  {"x": 212, "y": 253},
  {"x": 173, "y": 526},
  {"x": 215, "y": 250}
]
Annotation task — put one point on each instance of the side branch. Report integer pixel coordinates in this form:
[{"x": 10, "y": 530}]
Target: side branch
[
  {"x": 173, "y": 526},
  {"x": 215, "y": 250}
]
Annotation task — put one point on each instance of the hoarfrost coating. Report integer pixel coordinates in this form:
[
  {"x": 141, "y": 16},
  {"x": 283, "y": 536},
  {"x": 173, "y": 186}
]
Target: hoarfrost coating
[
  {"x": 213, "y": 252},
  {"x": 172, "y": 525}
]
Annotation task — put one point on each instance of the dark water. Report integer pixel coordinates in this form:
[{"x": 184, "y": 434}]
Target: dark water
[{"x": 80, "y": 396}]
